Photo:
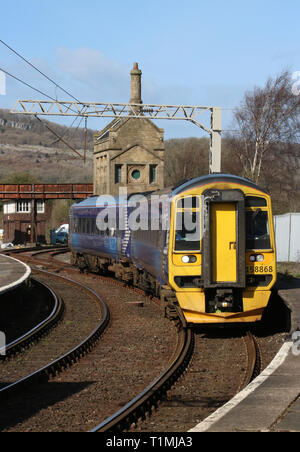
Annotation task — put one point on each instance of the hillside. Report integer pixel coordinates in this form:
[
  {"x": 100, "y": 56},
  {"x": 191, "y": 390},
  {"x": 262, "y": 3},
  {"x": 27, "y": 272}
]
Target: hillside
[
  {"x": 28, "y": 147},
  {"x": 23, "y": 129},
  {"x": 29, "y": 152}
]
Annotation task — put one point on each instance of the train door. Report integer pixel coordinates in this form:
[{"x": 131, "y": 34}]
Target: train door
[
  {"x": 224, "y": 238},
  {"x": 223, "y": 242}
]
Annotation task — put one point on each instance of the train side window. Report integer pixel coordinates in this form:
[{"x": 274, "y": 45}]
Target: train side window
[
  {"x": 257, "y": 230},
  {"x": 92, "y": 226},
  {"x": 97, "y": 231}
]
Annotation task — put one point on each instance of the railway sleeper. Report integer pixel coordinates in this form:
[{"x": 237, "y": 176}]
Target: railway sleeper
[{"x": 126, "y": 271}]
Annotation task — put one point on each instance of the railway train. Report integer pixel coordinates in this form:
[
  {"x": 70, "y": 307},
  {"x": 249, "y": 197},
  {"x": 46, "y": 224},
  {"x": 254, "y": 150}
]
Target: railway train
[{"x": 205, "y": 247}]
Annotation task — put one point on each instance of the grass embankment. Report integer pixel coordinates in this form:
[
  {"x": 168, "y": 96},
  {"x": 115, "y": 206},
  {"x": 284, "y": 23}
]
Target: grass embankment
[{"x": 289, "y": 269}]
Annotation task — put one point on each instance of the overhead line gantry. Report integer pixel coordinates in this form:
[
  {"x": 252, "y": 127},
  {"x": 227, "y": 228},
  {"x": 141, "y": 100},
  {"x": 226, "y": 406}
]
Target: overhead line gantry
[{"x": 190, "y": 113}]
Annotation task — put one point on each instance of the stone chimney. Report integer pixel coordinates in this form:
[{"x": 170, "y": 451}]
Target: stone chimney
[{"x": 136, "y": 85}]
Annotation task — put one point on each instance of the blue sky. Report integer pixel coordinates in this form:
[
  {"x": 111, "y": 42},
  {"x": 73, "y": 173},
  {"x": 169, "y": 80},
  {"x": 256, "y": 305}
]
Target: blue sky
[{"x": 193, "y": 52}]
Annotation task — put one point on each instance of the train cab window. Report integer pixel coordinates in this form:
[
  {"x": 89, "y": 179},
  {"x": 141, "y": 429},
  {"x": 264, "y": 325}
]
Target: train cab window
[
  {"x": 257, "y": 230},
  {"x": 187, "y": 233}
]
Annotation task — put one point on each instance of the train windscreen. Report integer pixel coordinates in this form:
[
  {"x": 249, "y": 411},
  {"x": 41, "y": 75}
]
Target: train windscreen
[
  {"x": 257, "y": 230},
  {"x": 187, "y": 234}
]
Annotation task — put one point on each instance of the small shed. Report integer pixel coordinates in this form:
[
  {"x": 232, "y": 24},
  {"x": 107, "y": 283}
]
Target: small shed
[{"x": 287, "y": 233}]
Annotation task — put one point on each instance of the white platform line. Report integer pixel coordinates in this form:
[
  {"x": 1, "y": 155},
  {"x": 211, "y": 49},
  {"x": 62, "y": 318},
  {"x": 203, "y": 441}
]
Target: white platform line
[
  {"x": 20, "y": 280},
  {"x": 221, "y": 412}
]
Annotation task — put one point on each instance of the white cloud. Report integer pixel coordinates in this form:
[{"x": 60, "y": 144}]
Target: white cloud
[{"x": 99, "y": 76}]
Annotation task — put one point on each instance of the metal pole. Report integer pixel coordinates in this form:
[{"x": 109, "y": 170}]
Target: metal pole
[
  {"x": 215, "y": 142},
  {"x": 33, "y": 222}
]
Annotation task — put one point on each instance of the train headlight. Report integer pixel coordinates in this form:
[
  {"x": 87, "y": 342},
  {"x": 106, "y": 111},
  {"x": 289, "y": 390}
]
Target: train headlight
[
  {"x": 259, "y": 258},
  {"x": 256, "y": 258},
  {"x": 189, "y": 259}
]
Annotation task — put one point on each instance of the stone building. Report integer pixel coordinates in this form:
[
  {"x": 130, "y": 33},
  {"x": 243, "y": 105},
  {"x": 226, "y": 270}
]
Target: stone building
[
  {"x": 20, "y": 220},
  {"x": 129, "y": 152}
]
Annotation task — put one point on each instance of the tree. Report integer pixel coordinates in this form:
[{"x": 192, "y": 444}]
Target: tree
[
  {"x": 19, "y": 178},
  {"x": 266, "y": 117},
  {"x": 185, "y": 158}
]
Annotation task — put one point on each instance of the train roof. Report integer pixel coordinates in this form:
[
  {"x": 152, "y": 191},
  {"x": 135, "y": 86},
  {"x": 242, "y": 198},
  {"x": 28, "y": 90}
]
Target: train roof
[
  {"x": 182, "y": 186},
  {"x": 215, "y": 177}
]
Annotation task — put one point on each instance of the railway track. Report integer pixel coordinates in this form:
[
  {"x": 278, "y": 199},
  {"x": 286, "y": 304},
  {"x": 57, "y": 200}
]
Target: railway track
[
  {"x": 42, "y": 328},
  {"x": 68, "y": 358},
  {"x": 51, "y": 369},
  {"x": 144, "y": 403},
  {"x": 147, "y": 400}
]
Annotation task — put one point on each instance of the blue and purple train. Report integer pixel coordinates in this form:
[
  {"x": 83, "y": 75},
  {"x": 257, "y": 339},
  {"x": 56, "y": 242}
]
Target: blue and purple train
[{"x": 205, "y": 247}]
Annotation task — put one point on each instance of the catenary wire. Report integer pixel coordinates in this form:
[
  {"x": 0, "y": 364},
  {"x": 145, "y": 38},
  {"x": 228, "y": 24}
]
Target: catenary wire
[
  {"x": 37, "y": 90},
  {"x": 38, "y": 70}
]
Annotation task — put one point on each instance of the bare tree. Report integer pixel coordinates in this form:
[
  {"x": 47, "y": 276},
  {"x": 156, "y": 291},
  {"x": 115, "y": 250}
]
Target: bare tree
[
  {"x": 266, "y": 116},
  {"x": 185, "y": 158}
]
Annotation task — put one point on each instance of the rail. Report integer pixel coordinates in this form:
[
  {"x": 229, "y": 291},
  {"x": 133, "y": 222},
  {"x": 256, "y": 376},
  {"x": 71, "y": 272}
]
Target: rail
[
  {"x": 68, "y": 358},
  {"x": 254, "y": 358},
  {"x": 149, "y": 397},
  {"x": 40, "y": 329}
]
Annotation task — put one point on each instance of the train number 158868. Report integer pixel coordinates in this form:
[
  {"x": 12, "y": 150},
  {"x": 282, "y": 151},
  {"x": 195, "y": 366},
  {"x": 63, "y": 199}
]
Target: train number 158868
[{"x": 259, "y": 269}]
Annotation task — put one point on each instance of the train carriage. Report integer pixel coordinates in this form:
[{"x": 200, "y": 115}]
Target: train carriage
[{"x": 206, "y": 247}]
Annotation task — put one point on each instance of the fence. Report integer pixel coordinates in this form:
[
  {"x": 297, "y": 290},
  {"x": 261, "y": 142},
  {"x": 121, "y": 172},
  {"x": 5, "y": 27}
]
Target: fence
[{"x": 287, "y": 233}]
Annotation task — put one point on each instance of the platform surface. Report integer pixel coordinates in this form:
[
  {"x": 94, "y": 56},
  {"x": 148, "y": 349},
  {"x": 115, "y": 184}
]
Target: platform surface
[
  {"x": 13, "y": 273},
  {"x": 271, "y": 403}
]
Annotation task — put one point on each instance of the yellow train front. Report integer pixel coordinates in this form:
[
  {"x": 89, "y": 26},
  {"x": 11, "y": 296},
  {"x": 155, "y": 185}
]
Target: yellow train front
[{"x": 221, "y": 257}]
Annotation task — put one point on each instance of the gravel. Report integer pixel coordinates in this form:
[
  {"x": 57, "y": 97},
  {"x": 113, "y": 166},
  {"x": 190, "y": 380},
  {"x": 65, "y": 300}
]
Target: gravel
[
  {"x": 133, "y": 351},
  {"x": 136, "y": 348}
]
